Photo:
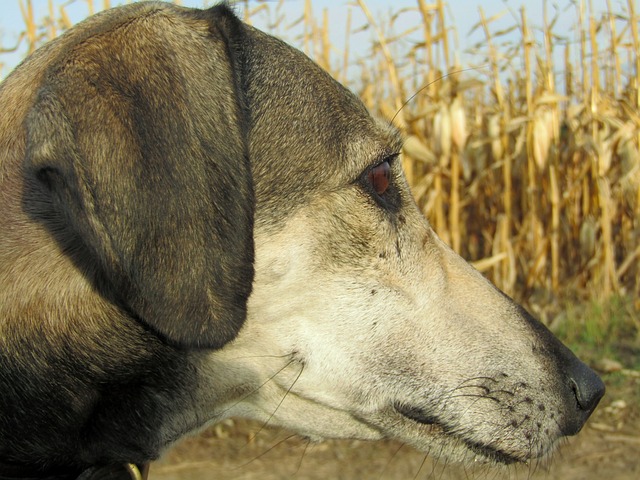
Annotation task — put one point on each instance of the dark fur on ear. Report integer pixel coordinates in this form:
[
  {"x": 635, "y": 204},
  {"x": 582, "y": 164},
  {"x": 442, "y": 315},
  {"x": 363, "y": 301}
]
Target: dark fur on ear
[{"x": 139, "y": 137}]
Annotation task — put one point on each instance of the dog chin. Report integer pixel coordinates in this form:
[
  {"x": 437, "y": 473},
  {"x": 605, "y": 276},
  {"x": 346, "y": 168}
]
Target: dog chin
[
  {"x": 412, "y": 427},
  {"x": 427, "y": 434}
]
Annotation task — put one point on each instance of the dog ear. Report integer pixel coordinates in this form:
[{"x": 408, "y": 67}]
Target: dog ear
[{"x": 139, "y": 140}]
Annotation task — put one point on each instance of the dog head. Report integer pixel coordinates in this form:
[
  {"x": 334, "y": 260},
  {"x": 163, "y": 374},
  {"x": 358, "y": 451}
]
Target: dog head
[
  {"x": 362, "y": 323},
  {"x": 200, "y": 178}
]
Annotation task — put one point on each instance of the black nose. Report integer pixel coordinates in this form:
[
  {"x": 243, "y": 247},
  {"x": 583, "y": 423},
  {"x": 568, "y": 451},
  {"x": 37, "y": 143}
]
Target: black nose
[
  {"x": 579, "y": 387},
  {"x": 584, "y": 391}
]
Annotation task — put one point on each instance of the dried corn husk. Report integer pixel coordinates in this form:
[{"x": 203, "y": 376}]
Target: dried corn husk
[
  {"x": 493, "y": 129},
  {"x": 604, "y": 150},
  {"x": 630, "y": 180},
  {"x": 458, "y": 123},
  {"x": 626, "y": 148},
  {"x": 442, "y": 131},
  {"x": 416, "y": 149},
  {"x": 588, "y": 231},
  {"x": 541, "y": 137}
]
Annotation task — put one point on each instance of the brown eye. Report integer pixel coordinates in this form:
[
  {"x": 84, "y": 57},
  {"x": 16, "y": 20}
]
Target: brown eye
[{"x": 379, "y": 177}]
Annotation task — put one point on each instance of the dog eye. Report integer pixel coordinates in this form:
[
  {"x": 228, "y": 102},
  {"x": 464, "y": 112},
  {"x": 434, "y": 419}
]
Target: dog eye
[
  {"x": 379, "y": 177},
  {"x": 379, "y": 183}
]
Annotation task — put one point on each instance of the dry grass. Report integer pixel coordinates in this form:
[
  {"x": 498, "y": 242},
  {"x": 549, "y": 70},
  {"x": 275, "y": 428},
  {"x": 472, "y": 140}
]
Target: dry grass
[{"x": 526, "y": 164}]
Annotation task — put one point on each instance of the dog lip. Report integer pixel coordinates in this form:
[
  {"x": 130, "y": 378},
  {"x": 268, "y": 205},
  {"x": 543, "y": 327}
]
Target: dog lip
[
  {"x": 493, "y": 454},
  {"x": 486, "y": 452},
  {"x": 417, "y": 414}
]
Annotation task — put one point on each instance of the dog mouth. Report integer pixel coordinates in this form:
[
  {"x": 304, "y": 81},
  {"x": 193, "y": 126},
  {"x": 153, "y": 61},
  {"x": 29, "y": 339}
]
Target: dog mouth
[{"x": 483, "y": 452}]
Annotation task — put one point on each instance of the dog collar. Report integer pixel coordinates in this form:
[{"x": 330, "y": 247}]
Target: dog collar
[{"x": 127, "y": 471}]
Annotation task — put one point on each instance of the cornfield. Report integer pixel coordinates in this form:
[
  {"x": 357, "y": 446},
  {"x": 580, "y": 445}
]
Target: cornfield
[{"x": 525, "y": 160}]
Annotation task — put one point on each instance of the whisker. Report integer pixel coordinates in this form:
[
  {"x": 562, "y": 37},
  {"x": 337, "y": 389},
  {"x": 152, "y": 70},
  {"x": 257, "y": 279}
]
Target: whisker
[
  {"x": 280, "y": 442},
  {"x": 260, "y": 356},
  {"x": 533, "y": 466},
  {"x": 476, "y": 395},
  {"x": 279, "y": 404},
  {"x": 444, "y": 467},
  {"x": 247, "y": 395},
  {"x": 304, "y": 452},
  {"x": 391, "y": 460},
  {"x": 436, "y": 462},
  {"x": 424, "y": 459},
  {"x": 448, "y": 395},
  {"x": 431, "y": 83}
]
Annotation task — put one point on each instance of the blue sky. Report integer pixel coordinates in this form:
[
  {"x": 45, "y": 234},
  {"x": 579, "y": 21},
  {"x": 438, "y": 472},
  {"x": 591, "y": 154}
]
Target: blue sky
[{"x": 462, "y": 13}]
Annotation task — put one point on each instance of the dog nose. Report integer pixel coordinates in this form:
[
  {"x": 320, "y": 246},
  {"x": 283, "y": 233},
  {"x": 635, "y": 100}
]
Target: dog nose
[
  {"x": 579, "y": 388},
  {"x": 586, "y": 389}
]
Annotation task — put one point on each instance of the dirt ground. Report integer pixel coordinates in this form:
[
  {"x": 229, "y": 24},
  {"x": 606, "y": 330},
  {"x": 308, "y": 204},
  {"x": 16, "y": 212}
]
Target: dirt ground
[{"x": 608, "y": 448}]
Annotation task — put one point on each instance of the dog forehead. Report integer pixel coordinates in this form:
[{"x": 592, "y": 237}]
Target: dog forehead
[{"x": 308, "y": 132}]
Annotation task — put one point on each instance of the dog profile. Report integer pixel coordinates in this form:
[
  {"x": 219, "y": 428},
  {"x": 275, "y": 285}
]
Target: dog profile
[{"x": 198, "y": 222}]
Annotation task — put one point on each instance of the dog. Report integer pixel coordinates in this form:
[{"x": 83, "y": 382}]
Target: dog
[{"x": 198, "y": 222}]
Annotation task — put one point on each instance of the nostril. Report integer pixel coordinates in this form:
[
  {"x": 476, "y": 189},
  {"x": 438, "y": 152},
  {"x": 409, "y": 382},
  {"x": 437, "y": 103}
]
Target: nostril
[
  {"x": 584, "y": 391},
  {"x": 579, "y": 397},
  {"x": 588, "y": 389}
]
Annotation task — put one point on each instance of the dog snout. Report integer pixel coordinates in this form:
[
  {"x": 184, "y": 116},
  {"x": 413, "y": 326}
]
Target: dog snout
[
  {"x": 578, "y": 387},
  {"x": 585, "y": 389}
]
